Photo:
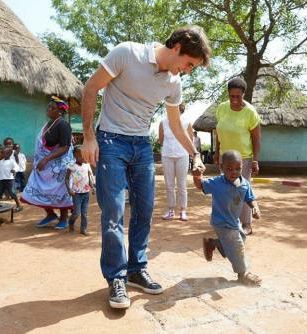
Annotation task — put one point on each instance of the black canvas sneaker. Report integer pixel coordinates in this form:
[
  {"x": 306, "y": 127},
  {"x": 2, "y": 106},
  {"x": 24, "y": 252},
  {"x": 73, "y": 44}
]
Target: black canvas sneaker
[
  {"x": 118, "y": 294},
  {"x": 142, "y": 280}
]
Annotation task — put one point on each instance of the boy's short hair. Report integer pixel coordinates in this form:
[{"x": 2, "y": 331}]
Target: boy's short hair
[
  {"x": 7, "y": 139},
  {"x": 237, "y": 83},
  {"x": 231, "y": 155},
  {"x": 193, "y": 41}
]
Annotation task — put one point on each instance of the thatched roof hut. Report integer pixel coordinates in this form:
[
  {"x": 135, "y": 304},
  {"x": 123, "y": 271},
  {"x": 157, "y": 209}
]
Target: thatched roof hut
[
  {"x": 291, "y": 113},
  {"x": 29, "y": 75},
  {"x": 24, "y": 60}
]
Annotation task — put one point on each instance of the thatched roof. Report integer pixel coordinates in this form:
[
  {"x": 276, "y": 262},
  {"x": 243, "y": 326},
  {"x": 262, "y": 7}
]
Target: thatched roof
[
  {"x": 291, "y": 113},
  {"x": 24, "y": 60}
]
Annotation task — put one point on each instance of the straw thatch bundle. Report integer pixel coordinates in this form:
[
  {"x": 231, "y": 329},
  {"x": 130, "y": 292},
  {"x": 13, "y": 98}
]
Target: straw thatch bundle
[
  {"x": 292, "y": 113},
  {"x": 24, "y": 60}
]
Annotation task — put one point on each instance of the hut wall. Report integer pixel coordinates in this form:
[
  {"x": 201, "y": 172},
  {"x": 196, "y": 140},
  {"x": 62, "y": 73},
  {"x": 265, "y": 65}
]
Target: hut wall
[
  {"x": 21, "y": 116},
  {"x": 283, "y": 144}
]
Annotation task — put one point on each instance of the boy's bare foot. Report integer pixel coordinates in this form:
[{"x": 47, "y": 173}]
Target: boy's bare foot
[
  {"x": 208, "y": 248},
  {"x": 71, "y": 227},
  {"x": 247, "y": 229},
  {"x": 249, "y": 279}
]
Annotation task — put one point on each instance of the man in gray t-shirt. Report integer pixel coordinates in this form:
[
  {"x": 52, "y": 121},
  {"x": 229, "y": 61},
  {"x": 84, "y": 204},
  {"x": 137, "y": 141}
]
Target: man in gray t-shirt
[{"x": 135, "y": 78}]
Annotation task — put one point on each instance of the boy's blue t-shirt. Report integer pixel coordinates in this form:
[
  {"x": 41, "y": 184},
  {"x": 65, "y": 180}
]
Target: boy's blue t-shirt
[{"x": 227, "y": 200}]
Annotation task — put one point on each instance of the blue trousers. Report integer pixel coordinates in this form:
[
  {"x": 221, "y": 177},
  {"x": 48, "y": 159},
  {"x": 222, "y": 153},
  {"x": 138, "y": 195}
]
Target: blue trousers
[
  {"x": 124, "y": 161},
  {"x": 80, "y": 201}
]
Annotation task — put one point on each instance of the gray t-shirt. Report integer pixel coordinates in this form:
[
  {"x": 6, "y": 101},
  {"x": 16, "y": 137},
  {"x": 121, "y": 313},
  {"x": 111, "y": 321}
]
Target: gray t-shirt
[{"x": 131, "y": 98}]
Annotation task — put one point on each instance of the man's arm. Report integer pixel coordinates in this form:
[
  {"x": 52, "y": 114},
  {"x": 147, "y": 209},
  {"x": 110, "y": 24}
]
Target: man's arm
[
  {"x": 256, "y": 139},
  {"x": 97, "y": 81}
]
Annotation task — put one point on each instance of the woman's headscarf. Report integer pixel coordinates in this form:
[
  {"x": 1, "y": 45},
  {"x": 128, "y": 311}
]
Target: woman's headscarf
[{"x": 61, "y": 104}]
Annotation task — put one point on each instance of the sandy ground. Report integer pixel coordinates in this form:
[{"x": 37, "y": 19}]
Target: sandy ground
[{"x": 50, "y": 281}]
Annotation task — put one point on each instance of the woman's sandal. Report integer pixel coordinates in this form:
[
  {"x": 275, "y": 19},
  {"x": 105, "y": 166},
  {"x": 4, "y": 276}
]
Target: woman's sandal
[{"x": 250, "y": 279}]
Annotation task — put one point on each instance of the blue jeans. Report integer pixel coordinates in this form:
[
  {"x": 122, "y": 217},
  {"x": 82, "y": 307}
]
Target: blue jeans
[
  {"x": 80, "y": 201},
  {"x": 232, "y": 242},
  {"x": 124, "y": 161}
]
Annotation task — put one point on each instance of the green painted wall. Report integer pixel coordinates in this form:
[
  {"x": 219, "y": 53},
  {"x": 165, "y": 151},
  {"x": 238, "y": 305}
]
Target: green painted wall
[
  {"x": 21, "y": 116},
  {"x": 283, "y": 144}
]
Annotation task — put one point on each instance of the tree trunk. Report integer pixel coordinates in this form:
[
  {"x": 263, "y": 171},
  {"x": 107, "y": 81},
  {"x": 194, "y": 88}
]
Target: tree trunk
[{"x": 251, "y": 72}]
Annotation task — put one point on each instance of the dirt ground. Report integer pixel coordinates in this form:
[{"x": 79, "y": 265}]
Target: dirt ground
[{"x": 50, "y": 281}]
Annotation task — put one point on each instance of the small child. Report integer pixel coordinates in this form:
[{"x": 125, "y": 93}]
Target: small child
[
  {"x": 79, "y": 182},
  {"x": 8, "y": 168},
  {"x": 20, "y": 158},
  {"x": 229, "y": 192}
]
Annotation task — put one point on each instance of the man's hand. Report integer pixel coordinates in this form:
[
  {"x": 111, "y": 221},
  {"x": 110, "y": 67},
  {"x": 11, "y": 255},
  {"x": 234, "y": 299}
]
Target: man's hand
[
  {"x": 198, "y": 164},
  {"x": 256, "y": 212},
  {"x": 90, "y": 151}
]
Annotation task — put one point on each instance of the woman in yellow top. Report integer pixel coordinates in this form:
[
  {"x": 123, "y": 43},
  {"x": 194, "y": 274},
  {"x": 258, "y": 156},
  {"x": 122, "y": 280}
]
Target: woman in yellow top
[{"x": 238, "y": 128}]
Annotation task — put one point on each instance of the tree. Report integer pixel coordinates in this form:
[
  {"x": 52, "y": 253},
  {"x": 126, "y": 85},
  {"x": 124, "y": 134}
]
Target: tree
[
  {"x": 241, "y": 32},
  {"x": 247, "y": 28},
  {"x": 69, "y": 56}
]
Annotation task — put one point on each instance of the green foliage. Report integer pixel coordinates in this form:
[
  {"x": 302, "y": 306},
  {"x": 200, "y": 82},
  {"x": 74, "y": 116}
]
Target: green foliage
[
  {"x": 156, "y": 146},
  {"x": 241, "y": 33},
  {"x": 69, "y": 56}
]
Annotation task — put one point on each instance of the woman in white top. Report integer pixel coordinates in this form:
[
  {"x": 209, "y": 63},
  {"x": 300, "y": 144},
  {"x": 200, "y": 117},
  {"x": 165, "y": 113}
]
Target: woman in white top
[{"x": 175, "y": 161}]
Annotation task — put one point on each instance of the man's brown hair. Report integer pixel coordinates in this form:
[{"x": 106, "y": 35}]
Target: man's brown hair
[{"x": 193, "y": 41}]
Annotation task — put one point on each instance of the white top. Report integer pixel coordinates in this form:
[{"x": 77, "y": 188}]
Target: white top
[
  {"x": 171, "y": 146},
  {"x": 79, "y": 178},
  {"x": 22, "y": 162},
  {"x": 5, "y": 169}
]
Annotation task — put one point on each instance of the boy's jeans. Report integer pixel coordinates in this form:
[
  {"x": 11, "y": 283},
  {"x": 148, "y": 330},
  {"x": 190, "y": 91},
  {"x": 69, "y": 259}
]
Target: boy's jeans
[
  {"x": 80, "y": 201},
  {"x": 124, "y": 161},
  {"x": 233, "y": 245}
]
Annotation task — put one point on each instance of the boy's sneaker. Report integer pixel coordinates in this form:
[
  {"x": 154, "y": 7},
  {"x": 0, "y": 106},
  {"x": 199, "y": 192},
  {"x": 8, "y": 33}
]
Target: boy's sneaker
[
  {"x": 46, "y": 221},
  {"x": 208, "y": 247},
  {"x": 118, "y": 297},
  {"x": 142, "y": 280},
  {"x": 62, "y": 225}
]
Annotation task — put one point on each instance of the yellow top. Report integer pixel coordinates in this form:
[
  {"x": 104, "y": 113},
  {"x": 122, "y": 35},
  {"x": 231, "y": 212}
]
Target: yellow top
[{"x": 233, "y": 128}]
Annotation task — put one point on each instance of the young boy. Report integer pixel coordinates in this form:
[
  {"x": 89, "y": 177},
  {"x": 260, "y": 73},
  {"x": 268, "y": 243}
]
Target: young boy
[
  {"x": 8, "y": 168},
  {"x": 229, "y": 192},
  {"x": 20, "y": 158},
  {"x": 79, "y": 182}
]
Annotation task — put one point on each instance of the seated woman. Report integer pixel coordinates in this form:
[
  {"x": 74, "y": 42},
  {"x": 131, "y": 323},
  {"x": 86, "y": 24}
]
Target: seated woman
[{"x": 46, "y": 185}]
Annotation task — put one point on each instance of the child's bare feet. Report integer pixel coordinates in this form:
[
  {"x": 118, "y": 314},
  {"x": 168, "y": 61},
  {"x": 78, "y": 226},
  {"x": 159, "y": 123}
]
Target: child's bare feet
[
  {"x": 249, "y": 279},
  {"x": 208, "y": 248}
]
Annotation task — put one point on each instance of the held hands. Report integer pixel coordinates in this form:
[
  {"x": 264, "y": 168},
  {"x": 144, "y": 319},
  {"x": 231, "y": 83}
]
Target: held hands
[
  {"x": 71, "y": 193},
  {"x": 198, "y": 164},
  {"x": 90, "y": 151},
  {"x": 256, "y": 212}
]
